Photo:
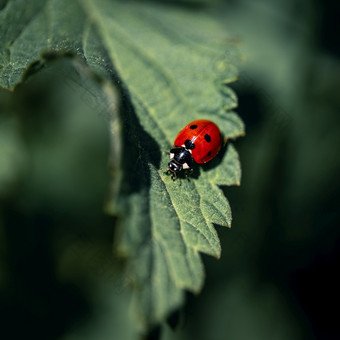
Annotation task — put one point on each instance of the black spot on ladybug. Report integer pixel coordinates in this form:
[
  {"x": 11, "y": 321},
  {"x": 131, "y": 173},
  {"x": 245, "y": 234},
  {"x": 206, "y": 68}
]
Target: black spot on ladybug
[
  {"x": 207, "y": 138},
  {"x": 189, "y": 144},
  {"x": 193, "y": 127},
  {"x": 209, "y": 153}
]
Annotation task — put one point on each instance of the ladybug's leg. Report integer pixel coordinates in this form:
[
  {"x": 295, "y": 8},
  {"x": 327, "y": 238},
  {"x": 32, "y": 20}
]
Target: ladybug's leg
[{"x": 188, "y": 172}]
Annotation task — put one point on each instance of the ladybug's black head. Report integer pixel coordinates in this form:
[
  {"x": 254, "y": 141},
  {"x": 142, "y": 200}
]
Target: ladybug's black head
[{"x": 174, "y": 166}]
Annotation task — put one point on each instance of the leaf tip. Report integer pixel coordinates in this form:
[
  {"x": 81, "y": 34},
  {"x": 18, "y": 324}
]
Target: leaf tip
[{"x": 218, "y": 256}]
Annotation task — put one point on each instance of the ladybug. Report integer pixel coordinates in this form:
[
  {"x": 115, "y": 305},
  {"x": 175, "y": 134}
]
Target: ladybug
[{"x": 199, "y": 142}]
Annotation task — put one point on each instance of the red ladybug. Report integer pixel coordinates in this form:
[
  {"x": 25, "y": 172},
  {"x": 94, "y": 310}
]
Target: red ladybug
[{"x": 199, "y": 141}]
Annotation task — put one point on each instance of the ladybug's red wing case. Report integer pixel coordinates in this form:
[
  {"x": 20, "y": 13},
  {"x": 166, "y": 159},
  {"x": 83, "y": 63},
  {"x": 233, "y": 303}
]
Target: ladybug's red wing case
[
  {"x": 205, "y": 137},
  {"x": 208, "y": 143},
  {"x": 191, "y": 131}
]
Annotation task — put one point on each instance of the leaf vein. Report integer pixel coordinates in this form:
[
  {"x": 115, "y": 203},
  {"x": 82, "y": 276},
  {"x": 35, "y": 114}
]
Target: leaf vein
[{"x": 184, "y": 220}]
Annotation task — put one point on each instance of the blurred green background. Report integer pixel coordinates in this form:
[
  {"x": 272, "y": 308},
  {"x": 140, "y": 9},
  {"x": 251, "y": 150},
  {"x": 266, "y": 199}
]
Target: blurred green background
[{"x": 277, "y": 278}]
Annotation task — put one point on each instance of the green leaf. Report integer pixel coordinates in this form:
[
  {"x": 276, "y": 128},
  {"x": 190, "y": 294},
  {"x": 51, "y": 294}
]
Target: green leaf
[{"x": 172, "y": 67}]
